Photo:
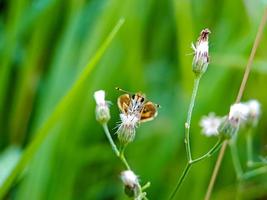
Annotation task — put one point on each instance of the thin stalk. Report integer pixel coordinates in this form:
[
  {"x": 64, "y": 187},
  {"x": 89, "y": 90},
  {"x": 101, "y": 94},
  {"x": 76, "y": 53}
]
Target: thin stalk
[
  {"x": 249, "y": 149},
  {"x": 182, "y": 177},
  {"x": 123, "y": 159},
  {"x": 192, "y": 162},
  {"x": 147, "y": 185},
  {"x": 239, "y": 96},
  {"x": 113, "y": 145},
  {"x": 254, "y": 172},
  {"x": 189, "y": 116},
  {"x": 209, "y": 153},
  {"x": 119, "y": 154},
  {"x": 216, "y": 170},
  {"x": 236, "y": 161}
]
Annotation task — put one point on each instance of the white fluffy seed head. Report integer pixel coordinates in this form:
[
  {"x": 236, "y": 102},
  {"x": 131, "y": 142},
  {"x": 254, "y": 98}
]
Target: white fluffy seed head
[
  {"x": 254, "y": 111},
  {"x": 129, "y": 179},
  {"x": 126, "y": 130},
  {"x": 100, "y": 97},
  {"x": 210, "y": 124},
  {"x": 102, "y": 109},
  {"x": 238, "y": 113}
]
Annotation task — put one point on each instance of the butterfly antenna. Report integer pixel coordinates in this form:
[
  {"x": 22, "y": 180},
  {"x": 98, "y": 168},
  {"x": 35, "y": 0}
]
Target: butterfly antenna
[{"x": 121, "y": 90}]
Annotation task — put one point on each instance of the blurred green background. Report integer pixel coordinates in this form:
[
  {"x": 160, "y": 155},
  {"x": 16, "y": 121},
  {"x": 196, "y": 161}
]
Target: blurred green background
[{"x": 46, "y": 44}]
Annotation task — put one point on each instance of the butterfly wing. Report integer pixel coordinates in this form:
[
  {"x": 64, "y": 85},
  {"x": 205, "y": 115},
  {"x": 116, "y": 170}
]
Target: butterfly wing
[
  {"x": 149, "y": 112},
  {"x": 124, "y": 102}
]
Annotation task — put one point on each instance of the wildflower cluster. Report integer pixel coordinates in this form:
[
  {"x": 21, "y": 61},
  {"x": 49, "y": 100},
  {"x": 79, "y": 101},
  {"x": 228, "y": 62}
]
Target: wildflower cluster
[
  {"x": 225, "y": 128},
  {"x": 134, "y": 109},
  {"x": 240, "y": 114}
]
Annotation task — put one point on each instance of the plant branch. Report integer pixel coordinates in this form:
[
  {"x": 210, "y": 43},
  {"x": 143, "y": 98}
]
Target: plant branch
[
  {"x": 180, "y": 181},
  {"x": 119, "y": 154},
  {"x": 209, "y": 153},
  {"x": 239, "y": 96},
  {"x": 216, "y": 170},
  {"x": 189, "y": 116},
  {"x": 249, "y": 149},
  {"x": 236, "y": 161},
  {"x": 191, "y": 161},
  {"x": 254, "y": 172}
]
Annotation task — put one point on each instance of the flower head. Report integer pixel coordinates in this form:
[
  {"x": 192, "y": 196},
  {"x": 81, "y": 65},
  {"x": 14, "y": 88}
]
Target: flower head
[
  {"x": 102, "y": 109},
  {"x": 254, "y": 111},
  {"x": 131, "y": 183},
  {"x": 126, "y": 130},
  {"x": 129, "y": 178},
  {"x": 201, "y": 51},
  {"x": 210, "y": 124},
  {"x": 238, "y": 113},
  {"x": 237, "y": 116}
]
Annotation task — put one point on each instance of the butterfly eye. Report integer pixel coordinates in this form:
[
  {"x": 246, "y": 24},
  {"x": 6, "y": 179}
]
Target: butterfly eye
[
  {"x": 142, "y": 99},
  {"x": 133, "y": 96}
]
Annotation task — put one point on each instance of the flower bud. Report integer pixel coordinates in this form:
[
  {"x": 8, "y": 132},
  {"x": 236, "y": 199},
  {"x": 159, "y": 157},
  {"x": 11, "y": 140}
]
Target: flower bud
[
  {"x": 102, "y": 109},
  {"x": 254, "y": 111},
  {"x": 230, "y": 124},
  {"x": 227, "y": 129},
  {"x": 238, "y": 114},
  {"x": 126, "y": 130},
  {"x": 201, "y": 51},
  {"x": 130, "y": 181}
]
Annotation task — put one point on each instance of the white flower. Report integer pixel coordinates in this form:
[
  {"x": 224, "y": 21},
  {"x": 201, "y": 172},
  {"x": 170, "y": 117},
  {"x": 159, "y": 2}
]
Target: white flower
[
  {"x": 201, "y": 51},
  {"x": 131, "y": 185},
  {"x": 254, "y": 111},
  {"x": 238, "y": 113},
  {"x": 102, "y": 109},
  {"x": 210, "y": 124},
  {"x": 126, "y": 130},
  {"x": 100, "y": 97},
  {"x": 129, "y": 179}
]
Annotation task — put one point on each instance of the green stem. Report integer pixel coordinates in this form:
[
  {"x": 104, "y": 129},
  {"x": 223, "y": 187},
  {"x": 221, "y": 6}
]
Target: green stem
[
  {"x": 209, "y": 153},
  {"x": 255, "y": 172},
  {"x": 249, "y": 149},
  {"x": 181, "y": 179},
  {"x": 236, "y": 160},
  {"x": 147, "y": 185},
  {"x": 189, "y": 116},
  {"x": 122, "y": 157},
  {"x": 113, "y": 145},
  {"x": 119, "y": 154}
]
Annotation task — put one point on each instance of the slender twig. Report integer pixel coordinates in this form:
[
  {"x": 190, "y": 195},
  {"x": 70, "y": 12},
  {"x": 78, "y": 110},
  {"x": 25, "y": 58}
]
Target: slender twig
[
  {"x": 147, "y": 185},
  {"x": 209, "y": 153},
  {"x": 250, "y": 162},
  {"x": 236, "y": 161},
  {"x": 180, "y": 181},
  {"x": 254, "y": 172},
  {"x": 239, "y": 96},
  {"x": 249, "y": 148},
  {"x": 119, "y": 154},
  {"x": 216, "y": 169},
  {"x": 113, "y": 145},
  {"x": 191, "y": 161},
  {"x": 189, "y": 116},
  {"x": 241, "y": 175}
]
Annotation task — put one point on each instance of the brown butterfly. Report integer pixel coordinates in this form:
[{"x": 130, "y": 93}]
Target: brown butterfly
[{"x": 129, "y": 103}]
